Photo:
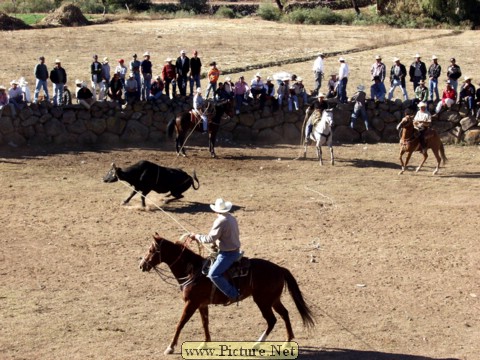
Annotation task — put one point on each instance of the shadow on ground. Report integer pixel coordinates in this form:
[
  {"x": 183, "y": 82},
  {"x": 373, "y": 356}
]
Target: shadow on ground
[{"x": 347, "y": 354}]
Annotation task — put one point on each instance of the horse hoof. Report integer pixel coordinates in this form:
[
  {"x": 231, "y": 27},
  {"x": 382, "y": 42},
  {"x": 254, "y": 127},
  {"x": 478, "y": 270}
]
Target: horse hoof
[
  {"x": 435, "y": 172},
  {"x": 400, "y": 173},
  {"x": 168, "y": 351}
]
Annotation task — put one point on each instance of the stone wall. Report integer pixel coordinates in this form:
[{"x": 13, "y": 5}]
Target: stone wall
[{"x": 109, "y": 123}]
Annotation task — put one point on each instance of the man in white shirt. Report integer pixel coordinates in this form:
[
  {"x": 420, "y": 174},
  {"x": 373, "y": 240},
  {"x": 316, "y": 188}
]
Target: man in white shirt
[
  {"x": 342, "y": 80},
  {"x": 318, "y": 72}
]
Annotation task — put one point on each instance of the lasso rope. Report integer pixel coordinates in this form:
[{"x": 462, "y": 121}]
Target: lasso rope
[{"x": 182, "y": 238}]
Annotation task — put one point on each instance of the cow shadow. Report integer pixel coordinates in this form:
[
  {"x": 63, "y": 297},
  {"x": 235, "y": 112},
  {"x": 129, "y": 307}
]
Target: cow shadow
[{"x": 307, "y": 353}]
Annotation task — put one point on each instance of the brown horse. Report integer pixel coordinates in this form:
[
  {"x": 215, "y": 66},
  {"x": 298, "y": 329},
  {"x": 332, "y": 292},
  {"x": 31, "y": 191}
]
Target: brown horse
[
  {"x": 265, "y": 282},
  {"x": 184, "y": 125},
  {"x": 410, "y": 143}
]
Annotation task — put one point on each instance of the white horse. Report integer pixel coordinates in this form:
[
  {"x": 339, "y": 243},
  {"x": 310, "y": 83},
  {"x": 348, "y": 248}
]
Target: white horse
[{"x": 321, "y": 134}]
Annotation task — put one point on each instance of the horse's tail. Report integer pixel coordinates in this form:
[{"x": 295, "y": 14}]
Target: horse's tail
[
  {"x": 170, "y": 127},
  {"x": 298, "y": 299},
  {"x": 195, "y": 179},
  {"x": 442, "y": 153}
]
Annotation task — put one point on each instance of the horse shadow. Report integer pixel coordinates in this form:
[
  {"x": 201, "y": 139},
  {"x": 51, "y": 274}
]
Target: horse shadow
[
  {"x": 363, "y": 163},
  {"x": 307, "y": 353},
  {"x": 179, "y": 207},
  {"x": 463, "y": 175}
]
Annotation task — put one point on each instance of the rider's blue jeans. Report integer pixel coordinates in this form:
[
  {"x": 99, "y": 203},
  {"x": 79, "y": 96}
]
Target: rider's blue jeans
[{"x": 224, "y": 260}]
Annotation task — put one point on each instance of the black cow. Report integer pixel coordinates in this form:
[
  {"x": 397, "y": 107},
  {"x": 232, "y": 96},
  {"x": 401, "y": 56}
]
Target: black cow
[{"x": 146, "y": 176}]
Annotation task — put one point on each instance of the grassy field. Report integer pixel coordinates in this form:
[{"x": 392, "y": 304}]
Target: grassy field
[{"x": 236, "y": 44}]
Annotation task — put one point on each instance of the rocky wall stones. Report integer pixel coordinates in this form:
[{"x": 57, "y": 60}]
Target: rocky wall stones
[{"x": 109, "y": 123}]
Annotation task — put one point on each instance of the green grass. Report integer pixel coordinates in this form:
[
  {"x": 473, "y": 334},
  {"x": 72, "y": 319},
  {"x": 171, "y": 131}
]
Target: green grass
[{"x": 30, "y": 19}]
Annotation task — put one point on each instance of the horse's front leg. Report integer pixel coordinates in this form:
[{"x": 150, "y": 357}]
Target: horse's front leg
[
  {"x": 204, "y": 316},
  {"x": 211, "y": 144},
  {"x": 425, "y": 156},
  {"x": 401, "y": 162},
  {"x": 319, "y": 153},
  {"x": 188, "y": 311}
]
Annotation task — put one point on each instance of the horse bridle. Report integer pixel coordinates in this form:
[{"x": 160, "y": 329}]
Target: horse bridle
[{"x": 166, "y": 277}]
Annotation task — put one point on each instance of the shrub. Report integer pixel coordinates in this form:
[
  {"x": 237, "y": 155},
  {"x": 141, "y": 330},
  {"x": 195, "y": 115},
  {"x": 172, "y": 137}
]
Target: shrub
[
  {"x": 297, "y": 16},
  {"x": 317, "y": 16},
  {"x": 225, "y": 12},
  {"x": 269, "y": 12}
]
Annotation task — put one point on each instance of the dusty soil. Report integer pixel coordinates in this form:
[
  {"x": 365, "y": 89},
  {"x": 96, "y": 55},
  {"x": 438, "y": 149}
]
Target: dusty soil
[{"x": 388, "y": 263}]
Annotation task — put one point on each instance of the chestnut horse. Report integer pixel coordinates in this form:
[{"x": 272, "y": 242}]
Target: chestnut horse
[
  {"x": 184, "y": 125},
  {"x": 410, "y": 143},
  {"x": 265, "y": 282}
]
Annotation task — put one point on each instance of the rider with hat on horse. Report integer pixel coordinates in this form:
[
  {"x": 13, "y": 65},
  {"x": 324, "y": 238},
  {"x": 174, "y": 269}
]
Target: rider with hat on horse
[
  {"x": 199, "y": 108},
  {"x": 318, "y": 105},
  {"x": 225, "y": 231},
  {"x": 422, "y": 122}
]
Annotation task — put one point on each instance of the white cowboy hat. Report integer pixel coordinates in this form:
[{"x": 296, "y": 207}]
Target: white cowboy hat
[
  {"x": 360, "y": 87},
  {"x": 434, "y": 57},
  {"x": 57, "y": 61},
  {"x": 341, "y": 59},
  {"x": 105, "y": 59},
  {"x": 78, "y": 82},
  {"x": 228, "y": 78},
  {"x": 378, "y": 57},
  {"x": 221, "y": 206},
  {"x": 146, "y": 53},
  {"x": 417, "y": 55},
  {"x": 258, "y": 75},
  {"x": 321, "y": 95},
  {"x": 422, "y": 104},
  {"x": 467, "y": 77},
  {"x": 299, "y": 79},
  {"x": 168, "y": 59},
  {"x": 14, "y": 82},
  {"x": 3, "y": 88},
  {"x": 269, "y": 78},
  {"x": 182, "y": 52},
  {"x": 395, "y": 59},
  {"x": 199, "y": 90}
]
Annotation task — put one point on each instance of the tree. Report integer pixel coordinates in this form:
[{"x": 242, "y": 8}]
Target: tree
[
  {"x": 197, "y": 6},
  {"x": 139, "y": 5},
  {"x": 355, "y": 6}
]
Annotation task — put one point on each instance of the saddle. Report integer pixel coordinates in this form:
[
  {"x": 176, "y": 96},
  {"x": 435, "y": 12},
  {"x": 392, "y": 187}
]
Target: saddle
[{"x": 240, "y": 268}]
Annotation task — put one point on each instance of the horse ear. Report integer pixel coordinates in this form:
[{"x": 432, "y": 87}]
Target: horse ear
[{"x": 114, "y": 167}]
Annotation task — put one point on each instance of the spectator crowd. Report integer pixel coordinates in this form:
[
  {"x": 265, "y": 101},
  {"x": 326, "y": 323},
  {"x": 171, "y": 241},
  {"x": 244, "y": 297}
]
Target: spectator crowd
[{"x": 134, "y": 80}]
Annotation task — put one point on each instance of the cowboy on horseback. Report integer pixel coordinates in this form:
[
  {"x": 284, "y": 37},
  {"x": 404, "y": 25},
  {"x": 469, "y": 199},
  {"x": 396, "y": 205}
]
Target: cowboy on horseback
[
  {"x": 198, "y": 110},
  {"x": 318, "y": 105},
  {"x": 225, "y": 231},
  {"x": 422, "y": 122}
]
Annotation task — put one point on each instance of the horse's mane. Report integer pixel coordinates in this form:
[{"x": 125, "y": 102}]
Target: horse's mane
[{"x": 188, "y": 253}]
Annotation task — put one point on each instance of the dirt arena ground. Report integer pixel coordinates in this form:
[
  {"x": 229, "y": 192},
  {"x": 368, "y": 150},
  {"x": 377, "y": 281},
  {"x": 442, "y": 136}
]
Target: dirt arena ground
[{"x": 388, "y": 263}]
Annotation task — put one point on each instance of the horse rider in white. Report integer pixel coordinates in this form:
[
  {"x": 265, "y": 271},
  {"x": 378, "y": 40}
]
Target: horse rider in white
[{"x": 199, "y": 108}]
